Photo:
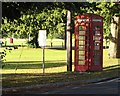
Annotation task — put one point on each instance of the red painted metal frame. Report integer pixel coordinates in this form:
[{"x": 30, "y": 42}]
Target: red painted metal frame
[
  {"x": 93, "y": 67},
  {"x": 88, "y": 24}
]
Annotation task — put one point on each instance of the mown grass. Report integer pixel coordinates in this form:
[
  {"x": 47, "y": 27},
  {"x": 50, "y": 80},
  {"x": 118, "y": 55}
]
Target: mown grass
[
  {"x": 28, "y": 60},
  {"x": 23, "y": 67},
  {"x": 20, "y": 42},
  {"x": 20, "y": 80}
]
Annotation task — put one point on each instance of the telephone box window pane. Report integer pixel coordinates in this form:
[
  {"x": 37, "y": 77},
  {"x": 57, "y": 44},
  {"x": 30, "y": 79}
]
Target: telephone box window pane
[
  {"x": 81, "y": 62},
  {"x": 81, "y": 42},
  {"x": 81, "y": 47},
  {"x": 82, "y": 53},
  {"x": 97, "y": 32},
  {"x": 81, "y": 32},
  {"x": 96, "y": 60},
  {"x": 97, "y": 27},
  {"x": 96, "y": 52},
  {"x": 81, "y": 57},
  {"x": 97, "y": 45},
  {"x": 81, "y": 27},
  {"x": 81, "y": 37},
  {"x": 96, "y": 38},
  {"x": 96, "y": 57}
]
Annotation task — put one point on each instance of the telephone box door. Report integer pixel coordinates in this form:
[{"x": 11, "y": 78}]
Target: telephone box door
[
  {"x": 97, "y": 45},
  {"x": 81, "y": 51}
]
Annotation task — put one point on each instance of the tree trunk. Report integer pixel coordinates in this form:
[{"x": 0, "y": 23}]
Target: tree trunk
[
  {"x": 65, "y": 36},
  {"x": 118, "y": 40},
  {"x": 36, "y": 40},
  {"x": 51, "y": 43},
  {"x": 69, "y": 42},
  {"x": 28, "y": 37},
  {"x": 114, "y": 49}
]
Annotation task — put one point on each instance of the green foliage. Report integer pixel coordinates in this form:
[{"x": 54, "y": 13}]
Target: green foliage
[
  {"x": 51, "y": 17},
  {"x": 108, "y": 10},
  {"x": 2, "y": 57},
  {"x": 30, "y": 22},
  {"x": 8, "y": 28},
  {"x": 106, "y": 15},
  {"x": 55, "y": 23}
]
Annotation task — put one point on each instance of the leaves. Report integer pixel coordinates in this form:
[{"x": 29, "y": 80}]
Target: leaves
[
  {"x": 51, "y": 16},
  {"x": 108, "y": 9}
]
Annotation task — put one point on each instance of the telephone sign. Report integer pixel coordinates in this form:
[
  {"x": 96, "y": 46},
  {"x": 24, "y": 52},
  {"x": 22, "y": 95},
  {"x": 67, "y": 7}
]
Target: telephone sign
[
  {"x": 88, "y": 43},
  {"x": 42, "y": 38}
]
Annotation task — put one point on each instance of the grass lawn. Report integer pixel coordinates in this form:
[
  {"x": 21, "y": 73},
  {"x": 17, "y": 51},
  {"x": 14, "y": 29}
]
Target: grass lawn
[
  {"x": 28, "y": 60},
  {"x": 23, "y": 67},
  {"x": 55, "y": 42}
]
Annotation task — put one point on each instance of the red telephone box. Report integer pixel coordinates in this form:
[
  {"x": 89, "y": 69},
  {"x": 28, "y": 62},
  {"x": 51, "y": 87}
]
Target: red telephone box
[
  {"x": 11, "y": 40},
  {"x": 88, "y": 43}
]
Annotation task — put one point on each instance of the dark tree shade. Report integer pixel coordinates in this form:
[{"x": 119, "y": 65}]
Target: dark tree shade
[{"x": 12, "y": 10}]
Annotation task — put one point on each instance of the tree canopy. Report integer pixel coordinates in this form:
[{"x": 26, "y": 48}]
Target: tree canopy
[{"x": 24, "y": 18}]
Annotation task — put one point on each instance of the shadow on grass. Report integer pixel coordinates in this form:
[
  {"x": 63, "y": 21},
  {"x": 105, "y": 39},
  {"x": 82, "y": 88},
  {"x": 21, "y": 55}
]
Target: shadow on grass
[
  {"x": 57, "y": 48},
  {"x": 33, "y": 64},
  {"x": 112, "y": 67},
  {"x": 14, "y": 45},
  {"x": 28, "y": 79}
]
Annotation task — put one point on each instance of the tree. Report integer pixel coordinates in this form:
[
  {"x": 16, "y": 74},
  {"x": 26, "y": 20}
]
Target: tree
[
  {"x": 43, "y": 15},
  {"x": 13, "y": 10},
  {"x": 114, "y": 50},
  {"x": 37, "y": 16},
  {"x": 110, "y": 12},
  {"x": 8, "y": 28},
  {"x": 115, "y": 32}
]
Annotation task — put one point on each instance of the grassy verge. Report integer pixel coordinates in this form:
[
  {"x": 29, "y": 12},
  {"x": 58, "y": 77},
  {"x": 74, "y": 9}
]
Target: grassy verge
[
  {"x": 20, "y": 80},
  {"x": 28, "y": 60},
  {"x": 23, "y": 66}
]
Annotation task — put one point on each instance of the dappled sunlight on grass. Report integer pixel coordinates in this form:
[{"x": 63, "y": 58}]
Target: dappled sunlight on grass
[
  {"x": 33, "y": 54},
  {"x": 56, "y": 70},
  {"x": 28, "y": 60},
  {"x": 109, "y": 61},
  {"x": 23, "y": 67},
  {"x": 37, "y": 70}
]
